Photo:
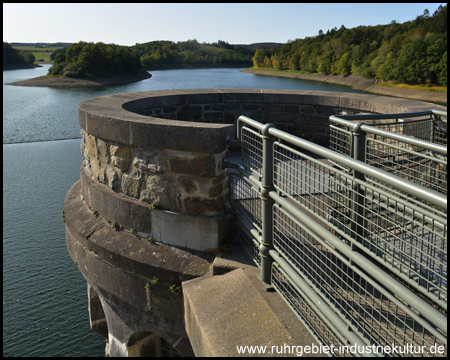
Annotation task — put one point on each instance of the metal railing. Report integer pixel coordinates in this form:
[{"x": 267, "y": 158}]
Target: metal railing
[
  {"x": 412, "y": 149},
  {"x": 359, "y": 253}
]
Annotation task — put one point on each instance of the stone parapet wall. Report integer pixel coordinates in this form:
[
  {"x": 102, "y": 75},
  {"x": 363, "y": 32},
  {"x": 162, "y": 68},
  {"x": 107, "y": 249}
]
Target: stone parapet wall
[{"x": 191, "y": 183}]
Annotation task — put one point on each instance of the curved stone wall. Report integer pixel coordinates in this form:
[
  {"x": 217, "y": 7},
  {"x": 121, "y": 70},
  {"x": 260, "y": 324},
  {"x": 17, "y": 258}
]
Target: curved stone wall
[{"x": 164, "y": 150}]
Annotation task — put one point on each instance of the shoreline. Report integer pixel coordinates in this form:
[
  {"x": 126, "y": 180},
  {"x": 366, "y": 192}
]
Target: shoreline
[
  {"x": 177, "y": 67},
  {"x": 21, "y": 66},
  {"x": 368, "y": 85},
  {"x": 45, "y": 81}
]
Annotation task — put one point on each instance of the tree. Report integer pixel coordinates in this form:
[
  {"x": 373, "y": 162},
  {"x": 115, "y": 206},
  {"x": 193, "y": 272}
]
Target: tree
[
  {"x": 345, "y": 64},
  {"x": 82, "y": 59},
  {"x": 60, "y": 58}
]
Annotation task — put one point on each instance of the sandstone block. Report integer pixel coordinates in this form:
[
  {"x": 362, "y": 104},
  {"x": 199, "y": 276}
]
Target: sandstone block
[
  {"x": 113, "y": 179},
  {"x": 130, "y": 184},
  {"x": 120, "y": 156},
  {"x": 148, "y": 161},
  {"x": 97, "y": 172},
  {"x": 92, "y": 146},
  {"x": 159, "y": 189},
  {"x": 102, "y": 149},
  {"x": 203, "y": 166},
  {"x": 187, "y": 183},
  {"x": 216, "y": 190}
]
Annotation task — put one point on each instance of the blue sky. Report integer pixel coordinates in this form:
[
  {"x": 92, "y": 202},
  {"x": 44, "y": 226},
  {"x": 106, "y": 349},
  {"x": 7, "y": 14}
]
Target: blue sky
[{"x": 127, "y": 24}]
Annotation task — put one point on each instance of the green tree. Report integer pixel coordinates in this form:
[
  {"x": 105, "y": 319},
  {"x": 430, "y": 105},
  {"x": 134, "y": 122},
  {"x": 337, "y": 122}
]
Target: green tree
[
  {"x": 327, "y": 62},
  {"x": 345, "y": 64}
]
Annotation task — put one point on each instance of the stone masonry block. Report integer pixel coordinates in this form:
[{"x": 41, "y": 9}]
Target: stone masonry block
[
  {"x": 216, "y": 190},
  {"x": 92, "y": 146},
  {"x": 97, "y": 172},
  {"x": 102, "y": 148},
  {"x": 203, "y": 166},
  {"x": 159, "y": 189},
  {"x": 130, "y": 184},
  {"x": 113, "y": 179},
  {"x": 291, "y": 109},
  {"x": 120, "y": 156},
  {"x": 148, "y": 161},
  {"x": 187, "y": 183}
]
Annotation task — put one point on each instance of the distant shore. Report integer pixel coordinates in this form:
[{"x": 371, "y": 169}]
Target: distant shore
[
  {"x": 368, "y": 85},
  {"x": 178, "y": 66},
  {"x": 20, "y": 66},
  {"x": 62, "y": 81}
]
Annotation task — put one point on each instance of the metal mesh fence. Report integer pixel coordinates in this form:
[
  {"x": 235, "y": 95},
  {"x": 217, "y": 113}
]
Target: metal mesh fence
[
  {"x": 246, "y": 199},
  {"x": 252, "y": 150},
  {"x": 403, "y": 236},
  {"x": 396, "y": 156},
  {"x": 363, "y": 304},
  {"x": 409, "y": 162},
  {"x": 310, "y": 317}
]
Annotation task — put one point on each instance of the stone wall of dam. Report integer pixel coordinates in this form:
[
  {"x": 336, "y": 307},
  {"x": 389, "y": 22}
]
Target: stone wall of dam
[{"x": 145, "y": 218}]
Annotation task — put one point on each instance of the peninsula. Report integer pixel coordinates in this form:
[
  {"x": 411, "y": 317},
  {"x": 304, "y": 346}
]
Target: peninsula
[
  {"x": 89, "y": 64},
  {"x": 63, "y": 81}
]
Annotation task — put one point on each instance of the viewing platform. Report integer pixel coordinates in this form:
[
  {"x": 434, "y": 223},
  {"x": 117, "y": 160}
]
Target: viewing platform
[{"x": 150, "y": 227}]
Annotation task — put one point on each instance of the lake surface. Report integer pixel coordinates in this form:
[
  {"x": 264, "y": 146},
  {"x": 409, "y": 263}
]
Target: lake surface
[{"x": 45, "y": 306}]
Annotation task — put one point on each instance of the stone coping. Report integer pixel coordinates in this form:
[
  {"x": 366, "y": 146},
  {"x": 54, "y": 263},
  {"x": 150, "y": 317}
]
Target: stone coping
[{"x": 116, "y": 118}]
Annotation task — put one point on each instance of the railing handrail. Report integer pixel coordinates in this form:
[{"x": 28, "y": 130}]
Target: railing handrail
[
  {"x": 425, "y": 194},
  {"x": 388, "y": 134},
  {"x": 392, "y": 116}
]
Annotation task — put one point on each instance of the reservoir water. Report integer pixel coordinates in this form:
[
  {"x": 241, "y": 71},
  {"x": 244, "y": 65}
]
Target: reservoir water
[{"x": 44, "y": 295}]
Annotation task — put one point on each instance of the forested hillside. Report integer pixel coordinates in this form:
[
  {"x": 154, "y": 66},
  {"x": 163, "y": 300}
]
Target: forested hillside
[
  {"x": 12, "y": 56},
  {"x": 89, "y": 59},
  {"x": 168, "y": 53},
  {"x": 414, "y": 52}
]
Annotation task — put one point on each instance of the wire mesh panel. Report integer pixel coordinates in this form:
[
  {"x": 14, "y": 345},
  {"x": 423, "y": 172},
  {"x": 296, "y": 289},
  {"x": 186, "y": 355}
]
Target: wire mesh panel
[
  {"x": 246, "y": 199},
  {"x": 402, "y": 237},
  {"x": 252, "y": 150},
  {"x": 412, "y": 241},
  {"x": 302, "y": 178},
  {"x": 341, "y": 142},
  {"x": 363, "y": 304},
  {"x": 412, "y": 163},
  {"x": 419, "y": 128},
  {"x": 440, "y": 132},
  {"x": 311, "y": 318},
  {"x": 425, "y": 128}
]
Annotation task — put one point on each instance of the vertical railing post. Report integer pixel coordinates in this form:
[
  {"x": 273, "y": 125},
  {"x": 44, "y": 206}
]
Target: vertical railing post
[
  {"x": 267, "y": 205},
  {"x": 358, "y": 198},
  {"x": 435, "y": 119}
]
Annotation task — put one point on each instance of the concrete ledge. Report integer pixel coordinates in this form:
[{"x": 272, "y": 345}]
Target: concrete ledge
[{"x": 233, "y": 309}]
